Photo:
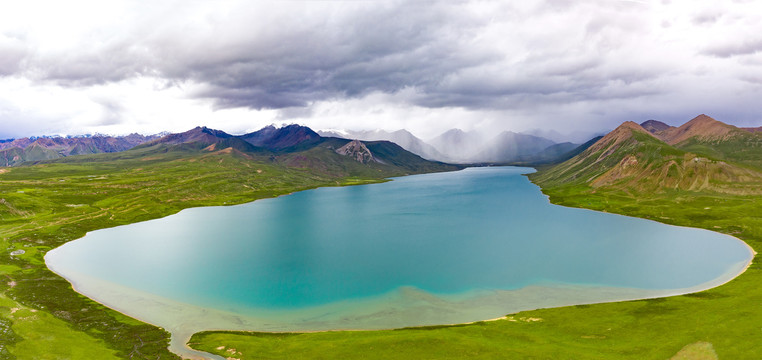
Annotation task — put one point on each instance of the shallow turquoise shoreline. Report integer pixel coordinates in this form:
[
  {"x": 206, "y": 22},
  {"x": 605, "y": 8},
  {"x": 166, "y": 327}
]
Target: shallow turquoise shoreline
[{"x": 398, "y": 307}]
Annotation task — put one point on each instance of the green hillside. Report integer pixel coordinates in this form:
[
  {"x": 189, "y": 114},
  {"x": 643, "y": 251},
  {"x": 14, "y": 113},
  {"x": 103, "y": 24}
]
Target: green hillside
[{"x": 631, "y": 159}]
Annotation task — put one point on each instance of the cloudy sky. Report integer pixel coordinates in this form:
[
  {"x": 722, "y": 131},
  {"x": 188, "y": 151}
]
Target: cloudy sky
[{"x": 574, "y": 67}]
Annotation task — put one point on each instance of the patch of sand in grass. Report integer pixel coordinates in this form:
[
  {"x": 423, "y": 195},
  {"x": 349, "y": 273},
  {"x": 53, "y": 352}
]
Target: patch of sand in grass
[
  {"x": 523, "y": 319},
  {"x": 696, "y": 351}
]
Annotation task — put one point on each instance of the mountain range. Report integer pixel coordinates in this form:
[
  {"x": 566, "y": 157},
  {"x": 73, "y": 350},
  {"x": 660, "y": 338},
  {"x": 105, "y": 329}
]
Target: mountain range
[
  {"x": 726, "y": 149},
  {"x": 701, "y": 155},
  {"x": 453, "y": 146},
  {"x": 292, "y": 146},
  {"x": 17, "y": 151}
]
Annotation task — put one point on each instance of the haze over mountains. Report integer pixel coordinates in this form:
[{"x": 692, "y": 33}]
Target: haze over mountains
[
  {"x": 458, "y": 146},
  {"x": 402, "y": 137}
]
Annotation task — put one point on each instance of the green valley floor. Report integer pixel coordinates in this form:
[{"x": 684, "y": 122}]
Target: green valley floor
[
  {"x": 47, "y": 205},
  {"x": 724, "y": 322},
  {"x": 41, "y": 317}
]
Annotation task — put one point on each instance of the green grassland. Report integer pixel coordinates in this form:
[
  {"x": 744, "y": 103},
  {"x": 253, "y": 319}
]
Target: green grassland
[
  {"x": 48, "y": 204},
  {"x": 724, "y": 322}
]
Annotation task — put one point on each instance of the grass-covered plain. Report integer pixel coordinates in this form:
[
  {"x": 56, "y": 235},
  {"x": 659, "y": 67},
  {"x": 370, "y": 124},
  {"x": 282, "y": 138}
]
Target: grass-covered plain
[
  {"x": 46, "y": 205},
  {"x": 724, "y": 322}
]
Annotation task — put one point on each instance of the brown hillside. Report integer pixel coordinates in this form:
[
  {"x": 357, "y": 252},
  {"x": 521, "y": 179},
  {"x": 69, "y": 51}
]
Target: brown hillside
[
  {"x": 689, "y": 172},
  {"x": 632, "y": 159},
  {"x": 613, "y": 140},
  {"x": 702, "y": 127},
  {"x": 600, "y": 156}
]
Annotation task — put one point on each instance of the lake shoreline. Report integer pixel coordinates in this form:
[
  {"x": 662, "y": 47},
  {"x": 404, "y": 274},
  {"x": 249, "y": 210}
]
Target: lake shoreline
[
  {"x": 181, "y": 336},
  {"x": 725, "y": 280}
]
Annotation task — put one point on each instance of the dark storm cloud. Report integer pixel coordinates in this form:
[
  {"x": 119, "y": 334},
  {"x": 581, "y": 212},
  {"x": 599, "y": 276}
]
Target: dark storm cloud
[
  {"x": 536, "y": 60},
  {"x": 288, "y": 62},
  {"x": 254, "y": 59},
  {"x": 371, "y": 50}
]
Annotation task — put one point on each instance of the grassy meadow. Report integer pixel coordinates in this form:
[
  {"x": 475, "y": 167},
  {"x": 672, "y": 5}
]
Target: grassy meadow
[
  {"x": 724, "y": 322},
  {"x": 46, "y": 205}
]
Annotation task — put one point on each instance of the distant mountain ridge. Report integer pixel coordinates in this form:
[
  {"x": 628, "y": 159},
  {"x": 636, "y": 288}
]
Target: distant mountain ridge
[
  {"x": 458, "y": 146},
  {"x": 654, "y": 126},
  {"x": 511, "y": 146},
  {"x": 282, "y": 138},
  {"x": 292, "y": 146},
  {"x": 17, "y": 151},
  {"x": 507, "y": 147},
  {"x": 299, "y": 146},
  {"x": 402, "y": 137}
]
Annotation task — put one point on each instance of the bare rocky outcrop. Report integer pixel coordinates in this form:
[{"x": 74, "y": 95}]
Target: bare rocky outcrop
[{"x": 357, "y": 150}]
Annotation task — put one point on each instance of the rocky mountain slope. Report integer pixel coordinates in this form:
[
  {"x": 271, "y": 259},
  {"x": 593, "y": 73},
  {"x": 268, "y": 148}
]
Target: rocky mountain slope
[{"x": 355, "y": 149}]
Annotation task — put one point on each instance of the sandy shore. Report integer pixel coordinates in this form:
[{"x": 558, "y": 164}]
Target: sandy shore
[{"x": 399, "y": 308}]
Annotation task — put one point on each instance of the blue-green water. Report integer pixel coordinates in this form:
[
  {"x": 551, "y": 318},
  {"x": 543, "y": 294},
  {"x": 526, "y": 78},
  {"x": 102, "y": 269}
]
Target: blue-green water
[{"x": 448, "y": 233}]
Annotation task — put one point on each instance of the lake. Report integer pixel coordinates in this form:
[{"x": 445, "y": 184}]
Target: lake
[{"x": 424, "y": 249}]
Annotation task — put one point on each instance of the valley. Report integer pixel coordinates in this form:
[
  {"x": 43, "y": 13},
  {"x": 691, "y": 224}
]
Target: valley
[
  {"x": 630, "y": 171},
  {"x": 245, "y": 180},
  {"x": 45, "y": 205}
]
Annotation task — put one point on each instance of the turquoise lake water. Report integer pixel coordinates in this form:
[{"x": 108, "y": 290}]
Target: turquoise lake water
[{"x": 445, "y": 234}]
